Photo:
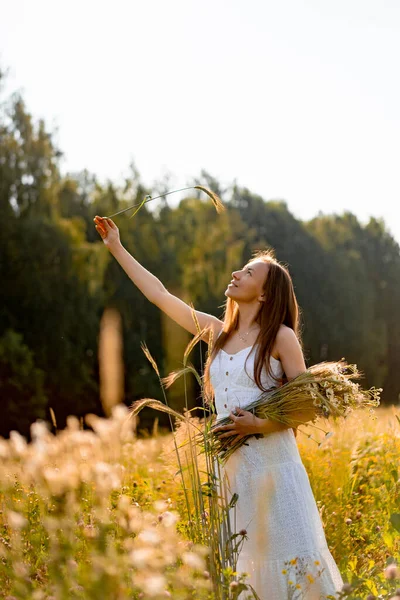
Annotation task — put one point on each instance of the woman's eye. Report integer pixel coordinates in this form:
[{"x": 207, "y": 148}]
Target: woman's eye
[{"x": 248, "y": 270}]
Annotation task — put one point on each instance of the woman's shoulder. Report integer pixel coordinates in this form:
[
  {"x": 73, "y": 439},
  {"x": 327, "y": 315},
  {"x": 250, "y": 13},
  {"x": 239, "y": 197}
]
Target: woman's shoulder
[
  {"x": 290, "y": 352},
  {"x": 285, "y": 334},
  {"x": 284, "y": 329}
]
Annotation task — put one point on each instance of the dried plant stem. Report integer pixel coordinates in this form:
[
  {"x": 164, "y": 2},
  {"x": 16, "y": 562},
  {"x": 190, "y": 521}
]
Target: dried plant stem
[{"x": 215, "y": 199}]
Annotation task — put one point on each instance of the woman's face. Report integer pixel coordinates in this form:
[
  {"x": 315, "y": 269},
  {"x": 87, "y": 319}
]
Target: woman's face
[{"x": 247, "y": 284}]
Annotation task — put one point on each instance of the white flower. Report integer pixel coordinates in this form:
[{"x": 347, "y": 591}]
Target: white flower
[
  {"x": 392, "y": 572},
  {"x": 193, "y": 560},
  {"x": 39, "y": 430},
  {"x": 154, "y": 585},
  {"x": 141, "y": 557},
  {"x": 16, "y": 520},
  {"x": 160, "y": 505},
  {"x": 330, "y": 393},
  {"x": 17, "y": 442},
  {"x": 54, "y": 480},
  {"x": 4, "y": 453},
  {"x": 149, "y": 536},
  {"x": 169, "y": 518}
]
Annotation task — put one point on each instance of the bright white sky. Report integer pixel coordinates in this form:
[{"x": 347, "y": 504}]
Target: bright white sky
[{"x": 297, "y": 100}]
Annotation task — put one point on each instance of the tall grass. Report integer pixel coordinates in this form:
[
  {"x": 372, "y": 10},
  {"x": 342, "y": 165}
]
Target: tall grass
[
  {"x": 208, "y": 506},
  {"x": 100, "y": 513}
]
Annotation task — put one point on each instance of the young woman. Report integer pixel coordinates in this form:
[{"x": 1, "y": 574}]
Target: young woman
[{"x": 285, "y": 552}]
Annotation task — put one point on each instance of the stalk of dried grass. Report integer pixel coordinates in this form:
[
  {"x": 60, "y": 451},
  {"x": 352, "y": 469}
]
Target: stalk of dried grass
[
  {"x": 208, "y": 509},
  {"x": 110, "y": 360},
  {"x": 219, "y": 207}
]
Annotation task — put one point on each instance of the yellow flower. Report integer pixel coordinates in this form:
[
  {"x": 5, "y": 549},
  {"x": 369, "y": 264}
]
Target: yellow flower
[
  {"x": 284, "y": 571},
  {"x": 316, "y": 562},
  {"x": 310, "y": 578},
  {"x": 298, "y": 586},
  {"x": 290, "y": 582},
  {"x": 293, "y": 561}
]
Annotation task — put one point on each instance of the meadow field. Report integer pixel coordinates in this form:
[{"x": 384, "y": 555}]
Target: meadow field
[{"x": 103, "y": 512}]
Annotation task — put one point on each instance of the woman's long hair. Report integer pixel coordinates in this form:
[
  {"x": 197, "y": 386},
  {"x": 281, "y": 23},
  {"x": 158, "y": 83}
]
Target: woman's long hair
[{"x": 279, "y": 307}]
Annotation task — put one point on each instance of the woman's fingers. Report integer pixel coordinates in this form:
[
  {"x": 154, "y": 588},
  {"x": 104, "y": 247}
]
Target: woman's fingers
[
  {"x": 102, "y": 221},
  {"x": 99, "y": 222},
  {"x": 230, "y": 433},
  {"x": 228, "y": 426},
  {"x": 106, "y": 225},
  {"x": 101, "y": 231},
  {"x": 111, "y": 224}
]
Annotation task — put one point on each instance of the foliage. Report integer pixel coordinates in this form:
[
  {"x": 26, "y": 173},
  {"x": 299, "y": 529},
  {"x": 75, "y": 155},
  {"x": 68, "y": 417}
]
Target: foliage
[{"x": 57, "y": 276}]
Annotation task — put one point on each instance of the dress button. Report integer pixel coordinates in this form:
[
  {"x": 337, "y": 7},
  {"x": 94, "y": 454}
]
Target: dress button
[
  {"x": 227, "y": 373},
  {"x": 226, "y": 389},
  {"x": 225, "y": 405},
  {"x": 231, "y": 358}
]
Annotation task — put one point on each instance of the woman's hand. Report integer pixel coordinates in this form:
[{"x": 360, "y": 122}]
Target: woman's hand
[
  {"x": 245, "y": 423},
  {"x": 108, "y": 231}
]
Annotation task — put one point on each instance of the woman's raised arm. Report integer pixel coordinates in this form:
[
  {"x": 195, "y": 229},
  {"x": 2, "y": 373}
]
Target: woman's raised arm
[{"x": 151, "y": 286}]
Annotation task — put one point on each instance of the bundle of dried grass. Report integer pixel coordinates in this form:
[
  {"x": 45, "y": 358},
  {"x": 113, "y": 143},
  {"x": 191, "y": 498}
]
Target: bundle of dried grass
[{"x": 323, "y": 390}]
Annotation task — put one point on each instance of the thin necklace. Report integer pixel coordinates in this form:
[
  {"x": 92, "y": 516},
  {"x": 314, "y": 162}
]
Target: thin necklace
[{"x": 246, "y": 334}]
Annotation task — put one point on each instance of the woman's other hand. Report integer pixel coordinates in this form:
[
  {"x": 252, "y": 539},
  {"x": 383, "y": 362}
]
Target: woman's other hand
[
  {"x": 108, "y": 231},
  {"x": 244, "y": 423}
]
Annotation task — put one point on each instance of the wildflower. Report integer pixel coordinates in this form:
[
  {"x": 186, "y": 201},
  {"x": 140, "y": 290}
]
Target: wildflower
[
  {"x": 160, "y": 505},
  {"x": 243, "y": 532},
  {"x": 193, "y": 560},
  {"x": 4, "y": 452},
  {"x": 310, "y": 578},
  {"x": 150, "y": 537},
  {"x": 16, "y": 520},
  {"x": 154, "y": 585},
  {"x": 73, "y": 565},
  {"x": 124, "y": 502},
  {"x": 284, "y": 571},
  {"x": 316, "y": 562},
  {"x": 330, "y": 393},
  {"x": 141, "y": 557},
  {"x": 90, "y": 531},
  {"x": 293, "y": 561},
  {"x": 169, "y": 518},
  {"x": 392, "y": 572},
  {"x": 39, "y": 430},
  {"x": 348, "y": 521},
  {"x": 17, "y": 443}
]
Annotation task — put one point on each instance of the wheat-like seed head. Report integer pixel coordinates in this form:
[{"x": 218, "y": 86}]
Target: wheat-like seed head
[
  {"x": 194, "y": 316},
  {"x": 219, "y": 207},
  {"x": 149, "y": 357},
  {"x": 53, "y": 417}
]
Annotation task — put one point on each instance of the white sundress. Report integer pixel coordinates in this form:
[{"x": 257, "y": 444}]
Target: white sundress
[{"x": 276, "y": 505}]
